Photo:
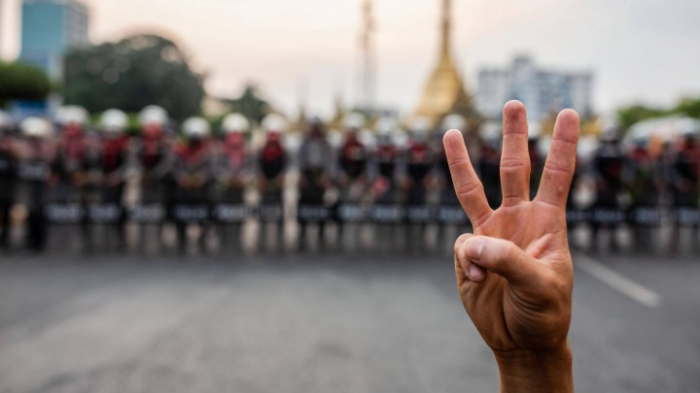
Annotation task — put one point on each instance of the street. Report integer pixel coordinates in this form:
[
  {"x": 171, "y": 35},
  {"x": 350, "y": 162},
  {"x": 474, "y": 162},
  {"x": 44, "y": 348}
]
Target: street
[{"x": 320, "y": 323}]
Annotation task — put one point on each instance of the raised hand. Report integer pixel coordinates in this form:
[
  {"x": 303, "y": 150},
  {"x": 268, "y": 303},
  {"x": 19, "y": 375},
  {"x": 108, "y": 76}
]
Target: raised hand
[{"x": 515, "y": 274}]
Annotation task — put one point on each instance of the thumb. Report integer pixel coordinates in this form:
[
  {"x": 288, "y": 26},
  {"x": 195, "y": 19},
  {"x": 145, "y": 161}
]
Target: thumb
[{"x": 501, "y": 257}]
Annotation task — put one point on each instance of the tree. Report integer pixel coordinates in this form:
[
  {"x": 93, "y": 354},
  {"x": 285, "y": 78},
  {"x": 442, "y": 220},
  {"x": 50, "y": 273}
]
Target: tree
[
  {"x": 631, "y": 115},
  {"x": 250, "y": 105},
  {"x": 689, "y": 107},
  {"x": 130, "y": 74},
  {"x": 22, "y": 82}
]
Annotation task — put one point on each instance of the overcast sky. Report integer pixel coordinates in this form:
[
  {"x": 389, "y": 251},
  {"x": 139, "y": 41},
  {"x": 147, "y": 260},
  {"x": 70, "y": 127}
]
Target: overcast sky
[{"x": 640, "y": 50}]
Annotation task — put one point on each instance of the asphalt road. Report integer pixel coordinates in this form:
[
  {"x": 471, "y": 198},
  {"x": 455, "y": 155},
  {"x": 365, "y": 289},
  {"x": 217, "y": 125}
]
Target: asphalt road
[{"x": 322, "y": 323}]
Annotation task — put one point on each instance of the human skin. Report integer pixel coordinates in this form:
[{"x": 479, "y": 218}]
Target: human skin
[{"x": 515, "y": 273}]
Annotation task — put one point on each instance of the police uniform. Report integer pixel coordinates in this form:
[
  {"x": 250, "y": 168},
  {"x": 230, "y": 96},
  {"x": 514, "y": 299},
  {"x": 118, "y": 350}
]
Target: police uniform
[
  {"x": 315, "y": 160},
  {"x": 642, "y": 172},
  {"x": 8, "y": 182},
  {"x": 387, "y": 211},
  {"x": 419, "y": 163},
  {"x": 272, "y": 164},
  {"x": 489, "y": 169},
  {"x": 114, "y": 163},
  {"x": 193, "y": 176},
  {"x": 685, "y": 186},
  {"x": 608, "y": 165},
  {"x": 352, "y": 179},
  {"x": 153, "y": 158},
  {"x": 34, "y": 174},
  {"x": 232, "y": 167}
]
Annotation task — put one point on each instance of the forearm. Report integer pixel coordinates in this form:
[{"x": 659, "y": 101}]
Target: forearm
[{"x": 536, "y": 372}]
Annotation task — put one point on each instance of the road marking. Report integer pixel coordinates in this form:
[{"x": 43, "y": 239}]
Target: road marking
[{"x": 618, "y": 282}]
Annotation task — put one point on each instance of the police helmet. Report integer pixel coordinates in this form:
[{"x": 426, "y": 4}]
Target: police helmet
[
  {"x": 153, "y": 115},
  {"x": 36, "y": 127},
  {"x": 386, "y": 125},
  {"x": 354, "y": 121},
  {"x": 454, "y": 122},
  {"x": 420, "y": 127},
  {"x": 610, "y": 134},
  {"x": 72, "y": 115},
  {"x": 274, "y": 123},
  {"x": 534, "y": 131},
  {"x": 235, "y": 123},
  {"x": 114, "y": 121},
  {"x": 196, "y": 127}
]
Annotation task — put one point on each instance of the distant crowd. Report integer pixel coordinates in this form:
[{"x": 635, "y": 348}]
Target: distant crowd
[{"x": 374, "y": 179}]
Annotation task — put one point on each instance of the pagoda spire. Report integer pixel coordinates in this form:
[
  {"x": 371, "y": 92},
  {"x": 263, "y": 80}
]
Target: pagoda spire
[
  {"x": 446, "y": 30},
  {"x": 445, "y": 92}
]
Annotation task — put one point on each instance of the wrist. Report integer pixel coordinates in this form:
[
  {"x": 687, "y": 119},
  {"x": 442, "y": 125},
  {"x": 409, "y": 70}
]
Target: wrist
[{"x": 536, "y": 371}]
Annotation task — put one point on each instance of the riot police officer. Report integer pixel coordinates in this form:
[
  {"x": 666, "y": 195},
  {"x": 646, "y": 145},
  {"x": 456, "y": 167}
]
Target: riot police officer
[
  {"x": 114, "y": 163},
  {"x": 78, "y": 173},
  {"x": 685, "y": 186},
  {"x": 607, "y": 168},
  {"x": 272, "y": 164},
  {"x": 387, "y": 211},
  {"x": 489, "y": 164},
  {"x": 419, "y": 178},
  {"x": 153, "y": 161},
  {"x": 232, "y": 172},
  {"x": 193, "y": 177},
  {"x": 34, "y": 173},
  {"x": 72, "y": 152},
  {"x": 642, "y": 177},
  {"x": 352, "y": 177},
  {"x": 316, "y": 166},
  {"x": 8, "y": 176}
]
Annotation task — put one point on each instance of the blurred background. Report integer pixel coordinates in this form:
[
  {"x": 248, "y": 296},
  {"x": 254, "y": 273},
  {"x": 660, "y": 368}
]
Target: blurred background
[{"x": 252, "y": 196}]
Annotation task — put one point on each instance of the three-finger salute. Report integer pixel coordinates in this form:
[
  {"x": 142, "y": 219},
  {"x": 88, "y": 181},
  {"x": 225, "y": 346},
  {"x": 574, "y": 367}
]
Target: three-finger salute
[{"x": 514, "y": 273}]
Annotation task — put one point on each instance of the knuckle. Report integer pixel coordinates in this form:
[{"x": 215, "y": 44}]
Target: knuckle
[
  {"x": 513, "y": 164},
  {"x": 459, "y": 162},
  {"x": 556, "y": 168},
  {"x": 460, "y": 241},
  {"x": 468, "y": 190}
]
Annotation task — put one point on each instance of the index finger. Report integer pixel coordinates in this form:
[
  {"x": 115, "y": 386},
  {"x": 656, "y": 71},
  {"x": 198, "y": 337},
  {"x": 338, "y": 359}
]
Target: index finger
[
  {"x": 561, "y": 163},
  {"x": 468, "y": 187}
]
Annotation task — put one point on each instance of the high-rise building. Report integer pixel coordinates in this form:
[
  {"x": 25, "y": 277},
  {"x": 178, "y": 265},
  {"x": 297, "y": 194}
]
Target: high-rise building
[
  {"x": 445, "y": 92},
  {"x": 49, "y": 29},
  {"x": 543, "y": 92}
]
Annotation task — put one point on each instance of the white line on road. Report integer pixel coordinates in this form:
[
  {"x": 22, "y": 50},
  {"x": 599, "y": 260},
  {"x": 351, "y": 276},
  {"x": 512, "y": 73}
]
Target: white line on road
[{"x": 617, "y": 281}]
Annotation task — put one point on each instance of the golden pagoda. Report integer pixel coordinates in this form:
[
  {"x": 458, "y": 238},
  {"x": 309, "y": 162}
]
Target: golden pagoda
[{"x": 445, "y": 92}]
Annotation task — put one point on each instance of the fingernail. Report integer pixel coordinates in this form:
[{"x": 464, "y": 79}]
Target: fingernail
[{"x": 475, "y": 248}]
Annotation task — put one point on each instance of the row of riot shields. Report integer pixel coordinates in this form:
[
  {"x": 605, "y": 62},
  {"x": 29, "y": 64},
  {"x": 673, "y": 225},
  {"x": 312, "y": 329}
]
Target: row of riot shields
[
  {"x": 646, "y": 217},
  {"x": 382, "y": 216},
  {"x": 77, "y": 213}
]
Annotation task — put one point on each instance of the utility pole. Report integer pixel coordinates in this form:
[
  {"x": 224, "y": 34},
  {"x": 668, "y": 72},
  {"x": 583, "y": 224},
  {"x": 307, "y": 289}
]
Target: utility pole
[
  {"x": 369, "y": 62},
  {"x": 2, "y": 24}
]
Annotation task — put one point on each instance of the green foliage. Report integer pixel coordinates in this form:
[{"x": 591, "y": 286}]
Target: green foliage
[
  {"x": 130, "y": 74},
  {"x": 689, "y": 107},
  {"x": 250, "y": 105},
  {"x": 631, "y": 115},
  {"x": 22, "y": 82}
]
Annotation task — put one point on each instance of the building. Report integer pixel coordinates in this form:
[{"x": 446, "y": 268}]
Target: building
[
  {"x": 543, "y": 92},
  {"x": 49, "y": 29},
  {"x": 445, "y": 92}
]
